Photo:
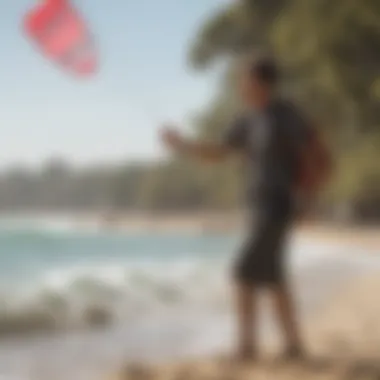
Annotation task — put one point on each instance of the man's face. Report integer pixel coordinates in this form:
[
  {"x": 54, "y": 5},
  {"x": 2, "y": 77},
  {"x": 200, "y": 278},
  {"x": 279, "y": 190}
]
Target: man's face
[{"x": 253, "y": 92}]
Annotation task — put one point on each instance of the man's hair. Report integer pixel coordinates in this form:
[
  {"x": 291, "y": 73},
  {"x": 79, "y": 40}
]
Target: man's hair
[{"x": 265, "y": 70}]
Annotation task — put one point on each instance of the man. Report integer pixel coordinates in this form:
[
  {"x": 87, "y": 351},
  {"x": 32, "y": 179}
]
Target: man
[{"x": 270, "y": 136}]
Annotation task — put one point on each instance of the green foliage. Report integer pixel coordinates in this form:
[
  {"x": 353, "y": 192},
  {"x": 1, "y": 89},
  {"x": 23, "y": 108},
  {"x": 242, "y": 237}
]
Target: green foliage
[
  {"x": 357, "y": 172},
  {"x": 330, "y": 53}
]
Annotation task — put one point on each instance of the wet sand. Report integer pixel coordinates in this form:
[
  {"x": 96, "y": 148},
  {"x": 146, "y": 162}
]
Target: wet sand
[{"x": 343, "y": 341}]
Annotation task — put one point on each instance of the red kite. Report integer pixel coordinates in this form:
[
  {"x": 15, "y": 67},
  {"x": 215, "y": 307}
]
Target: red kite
[{"x": 62, "y": 36}]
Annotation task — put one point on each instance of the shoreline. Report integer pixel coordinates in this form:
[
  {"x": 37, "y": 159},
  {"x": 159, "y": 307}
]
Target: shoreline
[{"x": 202, "y": 223}]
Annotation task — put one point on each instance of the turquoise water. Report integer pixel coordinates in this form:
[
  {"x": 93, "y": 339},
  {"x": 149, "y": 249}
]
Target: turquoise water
[
  {"x": 53, "y": 275},
  {"x": 26, "y": 254}
]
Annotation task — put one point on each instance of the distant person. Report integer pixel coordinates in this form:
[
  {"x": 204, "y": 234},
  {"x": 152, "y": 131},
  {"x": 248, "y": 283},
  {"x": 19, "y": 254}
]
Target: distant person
[{"x": 273, "y": 138}]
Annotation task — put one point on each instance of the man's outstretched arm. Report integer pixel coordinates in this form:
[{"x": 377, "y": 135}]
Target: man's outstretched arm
[
  {"x": 233, "y": 140},
  {"x": 210, "y": 152}
]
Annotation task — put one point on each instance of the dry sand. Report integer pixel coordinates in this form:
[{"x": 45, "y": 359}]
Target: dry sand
[{"x": 361, "y": 236}]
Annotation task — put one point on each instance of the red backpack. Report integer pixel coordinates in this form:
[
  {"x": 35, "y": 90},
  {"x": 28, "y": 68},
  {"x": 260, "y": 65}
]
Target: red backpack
[{"x": 315, "y": 165}]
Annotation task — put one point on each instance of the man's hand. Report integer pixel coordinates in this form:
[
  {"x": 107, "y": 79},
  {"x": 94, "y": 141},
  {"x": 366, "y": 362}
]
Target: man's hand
[{"x": 172, "y": 139}]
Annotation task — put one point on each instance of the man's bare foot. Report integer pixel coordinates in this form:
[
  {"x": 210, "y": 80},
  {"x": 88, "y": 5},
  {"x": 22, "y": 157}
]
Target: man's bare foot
[
  {"x": 242, "y": 356},
  {"x": 246, "y": 354},
  {"x": 293, "y": 353}
]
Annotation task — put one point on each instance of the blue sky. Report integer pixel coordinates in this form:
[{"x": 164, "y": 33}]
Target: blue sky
[{"x": 143, "y": 80}]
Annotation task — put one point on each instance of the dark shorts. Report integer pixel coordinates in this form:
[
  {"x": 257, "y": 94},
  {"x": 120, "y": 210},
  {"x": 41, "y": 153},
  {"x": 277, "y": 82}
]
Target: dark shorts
[{"x": 261, "y": 259}]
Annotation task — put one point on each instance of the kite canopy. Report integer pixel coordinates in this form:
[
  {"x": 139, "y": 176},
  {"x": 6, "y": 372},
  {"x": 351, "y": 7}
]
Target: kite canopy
[{"x": 62, "y": 36}]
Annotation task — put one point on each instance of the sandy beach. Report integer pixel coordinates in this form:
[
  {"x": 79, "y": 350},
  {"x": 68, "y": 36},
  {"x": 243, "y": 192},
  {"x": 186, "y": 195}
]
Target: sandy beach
[{"x": 343, "y": 338}]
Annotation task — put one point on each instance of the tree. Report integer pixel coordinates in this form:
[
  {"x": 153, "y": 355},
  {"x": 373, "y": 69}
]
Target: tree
[{"x": 330, "y": 53}]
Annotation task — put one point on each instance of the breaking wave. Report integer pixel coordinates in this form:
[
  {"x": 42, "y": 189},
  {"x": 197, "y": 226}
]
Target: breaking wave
[{"x": 102, "y": 295}]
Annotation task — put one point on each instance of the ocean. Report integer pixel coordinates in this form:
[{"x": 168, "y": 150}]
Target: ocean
[{"x": 77, "y": 302}]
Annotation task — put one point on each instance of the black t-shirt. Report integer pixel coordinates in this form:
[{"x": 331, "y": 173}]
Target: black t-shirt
[{"x": 270, "y": 141}]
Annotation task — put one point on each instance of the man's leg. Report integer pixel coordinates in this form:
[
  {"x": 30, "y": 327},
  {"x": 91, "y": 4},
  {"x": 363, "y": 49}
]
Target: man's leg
[
  {"x": 246, "y": 319},
  {"x": 286, "y": 314},
  {"x": 248, "y": 275}
]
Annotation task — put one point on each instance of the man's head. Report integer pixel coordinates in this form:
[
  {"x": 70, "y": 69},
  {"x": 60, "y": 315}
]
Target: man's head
[{"x": 259, "y": 81}]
